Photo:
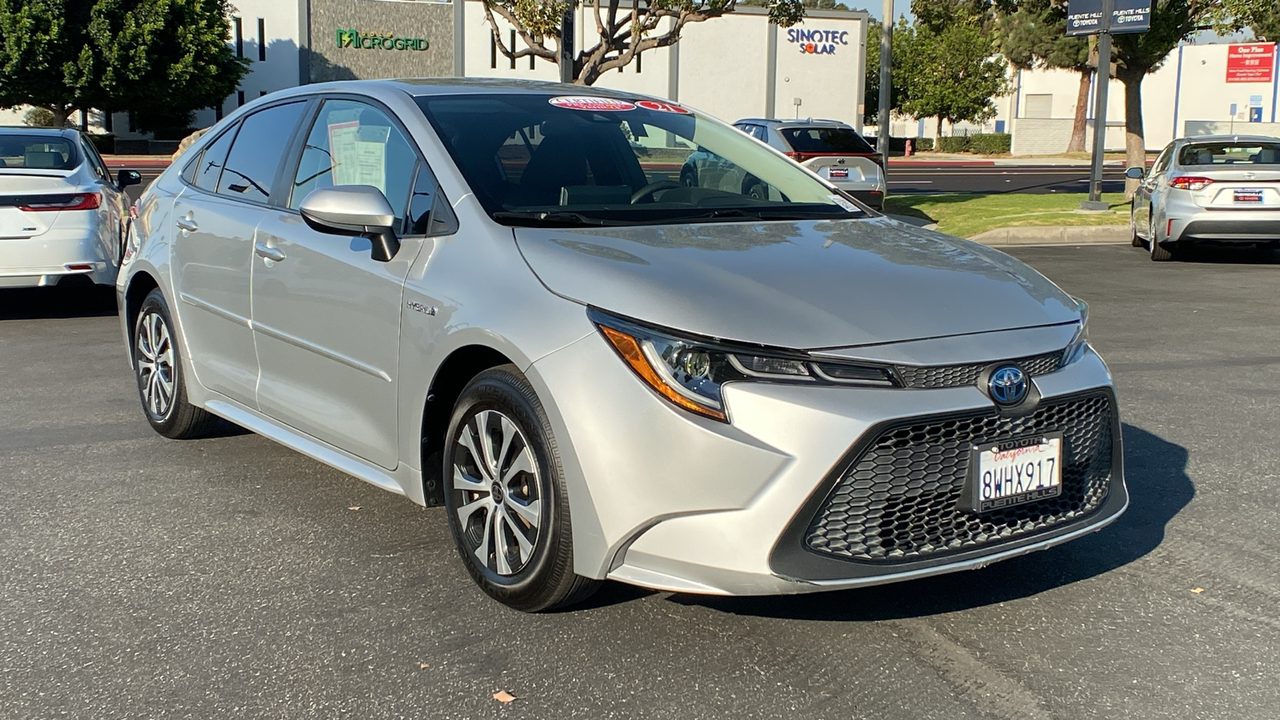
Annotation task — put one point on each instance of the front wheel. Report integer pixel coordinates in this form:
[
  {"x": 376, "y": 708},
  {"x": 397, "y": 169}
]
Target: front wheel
[
  {"x": 157, "y": 365},
  {"x": 506, "y": 501}
]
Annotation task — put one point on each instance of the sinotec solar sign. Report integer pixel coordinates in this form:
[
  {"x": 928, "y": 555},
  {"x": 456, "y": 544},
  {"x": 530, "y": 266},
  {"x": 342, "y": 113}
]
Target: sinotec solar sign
[
  {"x": 1084, "y": 17},
  {"x": 817, "y": 42}
]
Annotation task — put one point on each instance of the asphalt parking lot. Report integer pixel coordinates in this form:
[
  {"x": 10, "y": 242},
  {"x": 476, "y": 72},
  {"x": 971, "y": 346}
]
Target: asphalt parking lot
[{"x": 149, "y": 578}]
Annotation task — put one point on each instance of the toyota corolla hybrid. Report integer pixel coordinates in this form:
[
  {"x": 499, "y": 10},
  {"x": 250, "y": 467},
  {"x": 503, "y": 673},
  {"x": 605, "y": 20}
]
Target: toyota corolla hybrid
[{"x": 485, "y": 295}]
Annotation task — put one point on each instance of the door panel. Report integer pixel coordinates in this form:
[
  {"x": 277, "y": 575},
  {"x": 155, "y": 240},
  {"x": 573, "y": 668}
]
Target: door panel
[
  {"x": 327, "y": 322},
  {"x": 211, "y": 277}
]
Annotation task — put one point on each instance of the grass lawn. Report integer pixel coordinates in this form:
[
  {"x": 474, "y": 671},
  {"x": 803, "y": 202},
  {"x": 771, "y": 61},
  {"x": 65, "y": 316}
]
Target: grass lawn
[{"x": 967, "y": 214}]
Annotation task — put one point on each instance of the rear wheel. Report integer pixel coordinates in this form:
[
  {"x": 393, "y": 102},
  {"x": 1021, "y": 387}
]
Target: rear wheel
[
  {"x": 506, "y": 501},
  {"x": 157, "y": 365},
  {"x": 1159, "y": 253}
]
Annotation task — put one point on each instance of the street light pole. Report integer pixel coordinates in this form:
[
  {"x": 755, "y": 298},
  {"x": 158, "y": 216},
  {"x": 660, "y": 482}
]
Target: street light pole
[
  {"x": 886, "y": 79},
  {"x": 1101, "y": 79}
]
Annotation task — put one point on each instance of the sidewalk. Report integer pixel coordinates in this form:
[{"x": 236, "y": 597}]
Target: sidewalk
[{"x": 932, "y": 159}]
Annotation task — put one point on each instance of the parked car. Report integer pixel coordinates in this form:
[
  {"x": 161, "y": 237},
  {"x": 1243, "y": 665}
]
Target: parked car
[
  {"x": 61, "y": 213},
  {"x": 1220, "y": 188},
  {"x": 833, "y": 150},
  {"x": 473, "y": 293}
]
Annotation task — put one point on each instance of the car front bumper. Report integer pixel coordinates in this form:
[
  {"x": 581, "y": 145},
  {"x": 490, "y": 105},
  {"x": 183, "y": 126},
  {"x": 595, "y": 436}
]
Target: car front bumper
[{"x": 665, "y": 500}]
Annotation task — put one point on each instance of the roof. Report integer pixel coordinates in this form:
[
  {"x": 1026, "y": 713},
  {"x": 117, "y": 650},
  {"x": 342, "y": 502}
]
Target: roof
[
  {"x": 28, "y": 130},
  {"x": 801, "y": 122},
  {"x": 1227, "y": 138}
]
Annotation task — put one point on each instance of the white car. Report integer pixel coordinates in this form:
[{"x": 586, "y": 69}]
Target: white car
[{"x": 61, "y": 213}]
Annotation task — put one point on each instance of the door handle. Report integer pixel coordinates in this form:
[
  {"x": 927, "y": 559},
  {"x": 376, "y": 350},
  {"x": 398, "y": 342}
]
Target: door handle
[
  {"x": 187, "y": 224},
  {"x": 270, "y": 253}
]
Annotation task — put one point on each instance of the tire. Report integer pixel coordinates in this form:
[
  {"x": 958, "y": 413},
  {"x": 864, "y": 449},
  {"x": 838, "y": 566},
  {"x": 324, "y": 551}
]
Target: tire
[
  {"x": 508, "y": 508},
  {"x": 689, "y": 178},
  {"x": 157, "y": 367},
  {"x": 1159, "y": 252},
  {"x": 756, "y": 191}
]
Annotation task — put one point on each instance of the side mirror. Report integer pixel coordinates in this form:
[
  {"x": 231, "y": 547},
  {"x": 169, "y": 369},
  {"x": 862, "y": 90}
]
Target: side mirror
[
  {"x": 125, "y": 178},
  {"x": 354, "y": 211},
  {"x": 1135, "y": 173}
]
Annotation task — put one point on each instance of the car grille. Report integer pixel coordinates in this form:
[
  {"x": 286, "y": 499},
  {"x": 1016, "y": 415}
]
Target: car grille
[
  {"x": 947, "y": 376},
  {"x": 898, "y": 500}
]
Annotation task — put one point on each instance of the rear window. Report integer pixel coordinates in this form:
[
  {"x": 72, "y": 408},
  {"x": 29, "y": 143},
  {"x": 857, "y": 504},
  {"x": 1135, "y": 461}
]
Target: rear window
[
  {"x": 37, "y": 152},
  {"x": 1231, "y": 153},
  {"x": 826, "y": 140}
]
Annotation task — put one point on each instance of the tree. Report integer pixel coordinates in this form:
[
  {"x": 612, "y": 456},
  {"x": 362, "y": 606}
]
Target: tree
[
  {"x": 949, "y": 74},
  {"x": 38, "y": 40},
  {"x": 1262, "y": 17},
  {"x": 1032, "y": 34},
  {"x": 1137, "y": 54},
  {"x": 621, "y": 33},
  {"x": 158, "y": 59}
]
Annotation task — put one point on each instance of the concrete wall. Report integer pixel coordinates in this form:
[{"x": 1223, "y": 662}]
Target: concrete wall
[{"x": 423, "y": 20}]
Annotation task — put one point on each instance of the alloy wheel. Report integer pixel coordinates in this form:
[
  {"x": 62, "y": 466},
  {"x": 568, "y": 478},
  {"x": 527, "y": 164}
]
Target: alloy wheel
[
  {"x": 497, "y": 492},
  {"x": 155, "y": 366}
]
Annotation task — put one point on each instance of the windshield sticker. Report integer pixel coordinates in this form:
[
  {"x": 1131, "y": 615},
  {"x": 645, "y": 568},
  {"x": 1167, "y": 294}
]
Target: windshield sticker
[
  {"x": 848, "y": 206},
  {"x": 665, "y": 107},
  {"x": 595, "y": 104}
]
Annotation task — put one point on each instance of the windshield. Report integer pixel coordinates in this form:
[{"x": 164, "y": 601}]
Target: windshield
[
  {"x": 1231, "y": 153},
  {"x": 539, "y": 159},
  {"x": 826, "y": 140},
  {"x": 37, "y": 151}
]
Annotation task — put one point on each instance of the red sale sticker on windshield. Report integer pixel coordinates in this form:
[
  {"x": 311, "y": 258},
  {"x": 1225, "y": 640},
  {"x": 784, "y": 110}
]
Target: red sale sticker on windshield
[
  {"x": 664, "y": 107},
  {"x": 595, "y": 104}
]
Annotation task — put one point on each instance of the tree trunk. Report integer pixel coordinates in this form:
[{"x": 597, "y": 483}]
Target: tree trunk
[
  {"x": 1081, "y": 122},
  {"x": 1135, "y": 144},
  {"x": 60, "y": 114},
  {"x": 938, "y": 134}
]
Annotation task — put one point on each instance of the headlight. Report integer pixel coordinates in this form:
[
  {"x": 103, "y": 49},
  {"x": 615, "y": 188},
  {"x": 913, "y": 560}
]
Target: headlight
[
  {"x": 1080, "y": 341},
  {"x": 690, "y": 373}
]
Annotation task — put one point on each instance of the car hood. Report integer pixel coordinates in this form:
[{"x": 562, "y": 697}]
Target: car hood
[{"x": 807, "y": 284}]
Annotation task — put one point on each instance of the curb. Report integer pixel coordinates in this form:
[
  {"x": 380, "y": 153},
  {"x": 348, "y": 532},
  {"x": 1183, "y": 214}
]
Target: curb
[{"x": 1080, "y": 235}]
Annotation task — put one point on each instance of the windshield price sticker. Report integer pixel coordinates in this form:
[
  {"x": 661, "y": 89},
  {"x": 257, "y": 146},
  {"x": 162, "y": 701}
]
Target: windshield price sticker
[
  {"x": 665, "y": 107},
  {"x": 594, "y": 104}
]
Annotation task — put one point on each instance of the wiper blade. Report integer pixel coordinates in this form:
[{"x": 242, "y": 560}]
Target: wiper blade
[
  {"x": 774, "y": 214},
  {"x": 553, "y": 218}
]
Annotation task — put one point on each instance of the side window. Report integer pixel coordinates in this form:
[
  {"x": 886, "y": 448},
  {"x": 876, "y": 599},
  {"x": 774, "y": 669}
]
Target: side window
[
  {"x": 1162, "y": 161},
  {"x": 209, "y": 166},
  {"x": 758, "y": 132},
  {"x": 95, "y": 160},
  {"x": 352, "y": 143},
  {"x": 256, "y": 153}
]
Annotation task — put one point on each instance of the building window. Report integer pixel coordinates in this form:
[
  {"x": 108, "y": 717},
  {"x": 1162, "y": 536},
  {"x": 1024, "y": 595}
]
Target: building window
[
  {"x": 262, "y": 39},
  {"x": 1039, "y": 106},
  {"x": 239, "y": 98},
  {"x": 493, "y": 51},
  {"x": 513, "y": 48},
  {"x": 638, "y": 66},
  {"x": 239, "y": 30}
]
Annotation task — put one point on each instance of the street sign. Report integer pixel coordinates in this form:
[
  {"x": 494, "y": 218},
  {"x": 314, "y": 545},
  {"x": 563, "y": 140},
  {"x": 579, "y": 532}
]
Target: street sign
[
  {"x": 1233, "y": 110},
  {"x": 1084, "y": 17},
  {"x": 1250, "y": 62}
]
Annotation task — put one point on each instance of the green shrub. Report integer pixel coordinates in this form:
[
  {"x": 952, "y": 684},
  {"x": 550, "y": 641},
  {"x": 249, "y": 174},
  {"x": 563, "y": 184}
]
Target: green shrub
[
  {"x": 954, "y": 144},
  {"x": 38, "y": 117},
  {"x": 990, "y": 144},
  {"x": 924, "y": 144},
  {"x": 105, "y": 143}
]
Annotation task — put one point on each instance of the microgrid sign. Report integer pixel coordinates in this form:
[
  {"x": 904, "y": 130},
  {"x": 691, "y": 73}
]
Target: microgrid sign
[
  {"x": 1251, "y": 62},
  {"x": 1084, "y": 17}
]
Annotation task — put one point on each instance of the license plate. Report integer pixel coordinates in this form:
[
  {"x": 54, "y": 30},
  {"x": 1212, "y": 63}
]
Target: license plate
[
  {"x": 1248, "y": 196},
  {"x": 838, "y": 173},
  {"x": 1012, "y": 472}
]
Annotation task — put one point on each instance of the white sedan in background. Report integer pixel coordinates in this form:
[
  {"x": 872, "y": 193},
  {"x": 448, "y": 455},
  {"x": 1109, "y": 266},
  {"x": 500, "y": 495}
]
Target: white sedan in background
[{"x": 61, "y": 213}]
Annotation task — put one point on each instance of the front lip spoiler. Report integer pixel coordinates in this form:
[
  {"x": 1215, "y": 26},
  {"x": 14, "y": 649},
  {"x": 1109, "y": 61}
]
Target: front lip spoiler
[{"x": 970, "y": 564}]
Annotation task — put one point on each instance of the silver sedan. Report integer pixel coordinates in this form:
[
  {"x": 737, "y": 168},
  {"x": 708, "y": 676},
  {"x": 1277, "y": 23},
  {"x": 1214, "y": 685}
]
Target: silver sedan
[
  {"x": 482, "y": 295},
  {"x": 1208, "y": 189},
  {"x": 62, "y": 215}
]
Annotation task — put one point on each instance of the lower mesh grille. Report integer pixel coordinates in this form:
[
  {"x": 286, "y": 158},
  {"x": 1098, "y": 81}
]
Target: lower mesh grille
[
  {"x": 947, "y": 376},
  {"x": 898, "y": 501}
]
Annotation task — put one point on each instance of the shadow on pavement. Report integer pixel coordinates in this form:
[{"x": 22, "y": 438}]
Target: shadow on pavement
[
  {"x": 1159, "y": 489},
  {"x": 1228, "y": 254},
  {"x": 62, "y": 301}
]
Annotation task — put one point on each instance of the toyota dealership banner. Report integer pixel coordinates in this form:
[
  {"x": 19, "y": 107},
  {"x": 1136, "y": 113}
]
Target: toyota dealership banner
[{"x": 1084, "y": 17}]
